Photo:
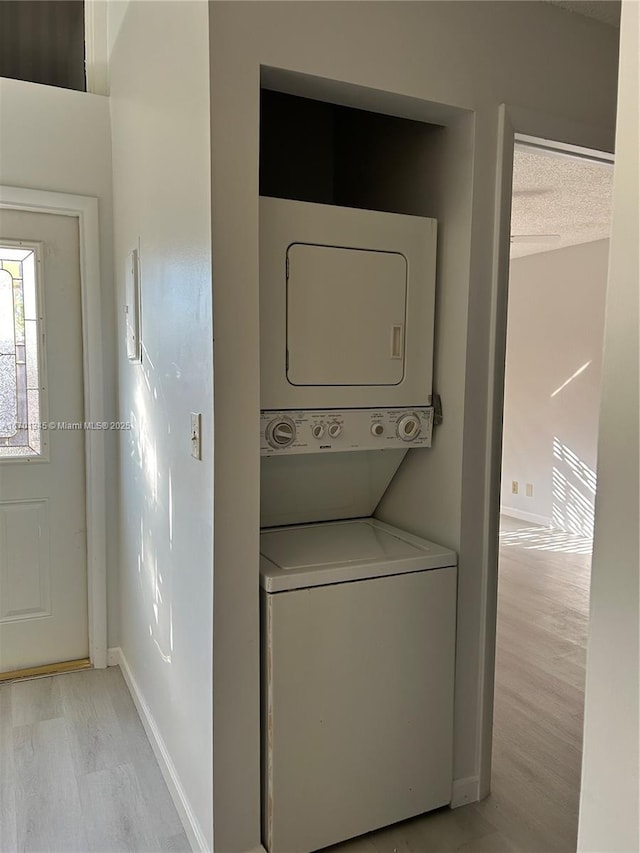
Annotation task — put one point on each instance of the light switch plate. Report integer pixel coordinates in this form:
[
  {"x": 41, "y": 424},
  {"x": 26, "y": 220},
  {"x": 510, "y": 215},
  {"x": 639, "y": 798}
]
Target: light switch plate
[
  {"x": 132, "y": 306},
  {"x": 196, "y": 451}
]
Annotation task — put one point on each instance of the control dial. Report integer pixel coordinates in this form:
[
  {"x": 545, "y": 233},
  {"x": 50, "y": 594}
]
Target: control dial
[
  {"x": 377, "y": 429},
  {"x": 408, "y": 427},
  {"x": 281, "y": 432},
  {"x": 317, "y": 430},
  {"x": 335, "y": 429}
]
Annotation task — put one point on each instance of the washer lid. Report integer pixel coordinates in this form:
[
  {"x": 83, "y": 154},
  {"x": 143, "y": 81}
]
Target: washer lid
[{"x": 335, "y": 552}]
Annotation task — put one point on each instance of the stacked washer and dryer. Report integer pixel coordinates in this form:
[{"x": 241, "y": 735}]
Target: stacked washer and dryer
[{"x": 357, "y": 617}]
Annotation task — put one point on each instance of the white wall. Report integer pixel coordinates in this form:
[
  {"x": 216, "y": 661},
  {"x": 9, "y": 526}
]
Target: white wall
[
  {"x": 609, "y": 800},
  {"x": 555, "y": 327},
  {"x": 60, "y": 140},
  {"x": 161, "y": 178},
  {"x": 470, "y": 55}
]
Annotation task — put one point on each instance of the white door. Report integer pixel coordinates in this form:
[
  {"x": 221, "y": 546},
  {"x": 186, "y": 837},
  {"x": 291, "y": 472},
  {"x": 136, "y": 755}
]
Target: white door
[{"x": 43, "y": 553}]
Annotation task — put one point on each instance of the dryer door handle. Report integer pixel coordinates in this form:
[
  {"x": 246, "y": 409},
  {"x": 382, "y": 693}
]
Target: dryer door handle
[{"x": 397, "y": 340}]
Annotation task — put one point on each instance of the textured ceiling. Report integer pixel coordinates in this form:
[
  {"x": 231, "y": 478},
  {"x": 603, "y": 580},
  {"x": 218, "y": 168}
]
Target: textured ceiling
[
  {"x": 558, "y": 195},
  {"x": 606, "y": 11}
]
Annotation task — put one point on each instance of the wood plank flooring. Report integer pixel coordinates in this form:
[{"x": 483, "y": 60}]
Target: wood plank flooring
[
  {"x": 543, "y": 609},
  {"x": 77, "y": 772}
]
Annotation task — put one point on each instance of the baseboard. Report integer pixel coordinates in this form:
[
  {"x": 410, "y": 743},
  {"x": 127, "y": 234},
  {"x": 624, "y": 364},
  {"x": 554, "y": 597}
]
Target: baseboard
[
  {"x": 465, "y": 791},
  {"x": 197, "y": 839},
  {"x": 521, "y": 515}
]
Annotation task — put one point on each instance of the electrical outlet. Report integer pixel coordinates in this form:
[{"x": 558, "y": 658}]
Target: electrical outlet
[
  {"x": 529, "y": 490},
  {"x": 195, "y": 435},
  {"x": 514, "y": 487}
]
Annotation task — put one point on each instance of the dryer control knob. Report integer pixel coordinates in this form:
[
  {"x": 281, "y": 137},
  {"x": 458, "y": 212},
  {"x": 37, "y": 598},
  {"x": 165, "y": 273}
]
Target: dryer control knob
[
  {"x": 317, "y": 430},
  {"x": 409, "y": 426},
  {"x": 377, "y": 429},
  {"x": 281, "y": 432},
  {"x": 335, "y": 429}
]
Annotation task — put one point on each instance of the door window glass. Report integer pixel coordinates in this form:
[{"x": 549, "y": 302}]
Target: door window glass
[{"x": 20, "y": 371}]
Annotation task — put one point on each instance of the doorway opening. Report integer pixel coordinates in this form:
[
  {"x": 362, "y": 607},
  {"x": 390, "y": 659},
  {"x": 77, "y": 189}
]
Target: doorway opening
[{"x": 560, "y": 224}]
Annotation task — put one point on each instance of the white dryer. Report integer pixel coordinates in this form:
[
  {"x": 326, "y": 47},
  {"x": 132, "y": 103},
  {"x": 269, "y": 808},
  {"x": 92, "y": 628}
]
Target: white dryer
[
  {"x": 358, "y": 650},
  {"x": 347, "y": 302}
]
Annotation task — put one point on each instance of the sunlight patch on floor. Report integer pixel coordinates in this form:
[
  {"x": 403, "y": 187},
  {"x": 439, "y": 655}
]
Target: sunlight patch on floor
[{"x": 536, "y": 538}]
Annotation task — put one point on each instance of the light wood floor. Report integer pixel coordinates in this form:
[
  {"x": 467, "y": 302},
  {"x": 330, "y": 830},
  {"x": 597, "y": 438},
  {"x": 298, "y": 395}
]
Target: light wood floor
[
  {"x": 77, "y": 772},
  {"x": 542, "y": 625}
]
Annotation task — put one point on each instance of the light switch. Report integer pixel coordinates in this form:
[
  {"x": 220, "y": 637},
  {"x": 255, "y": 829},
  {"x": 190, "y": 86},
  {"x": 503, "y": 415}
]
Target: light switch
[
  {"x": 132, "y": 306},
  {"x": 195, "y": 435}
]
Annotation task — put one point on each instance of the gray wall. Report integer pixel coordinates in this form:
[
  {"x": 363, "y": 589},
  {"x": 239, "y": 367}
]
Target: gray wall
[
  {"x": 402, "y": 58},
  {"x": 609, "y": 800},
  {"x": 161, "y": 182},
  {"x": 555, "y": 328}
]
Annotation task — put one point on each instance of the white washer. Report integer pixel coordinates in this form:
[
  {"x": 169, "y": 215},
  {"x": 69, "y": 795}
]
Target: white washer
[{"x": 358, "y": 655}]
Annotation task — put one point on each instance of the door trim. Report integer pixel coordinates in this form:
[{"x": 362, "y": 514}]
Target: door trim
[
  {"x": 513, "y": 121},
  {"x": 85, "y": 209}
]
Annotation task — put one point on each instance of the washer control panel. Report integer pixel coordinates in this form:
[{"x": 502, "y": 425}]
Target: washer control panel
[{"x": 333, "y": 430}]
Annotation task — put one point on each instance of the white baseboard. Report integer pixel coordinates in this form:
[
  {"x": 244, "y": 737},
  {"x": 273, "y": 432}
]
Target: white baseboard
[
  {"x": 521, "y": 515},
  {"x": 465, "y": 791},
  {"x": 197, "y": 839}
]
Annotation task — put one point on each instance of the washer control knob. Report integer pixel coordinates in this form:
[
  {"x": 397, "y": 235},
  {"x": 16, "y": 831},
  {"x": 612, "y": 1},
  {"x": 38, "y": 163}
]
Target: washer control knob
[
  {"x": 281, "y": 432},
  {"x": 409, "y": 426},
  {"x": 377, "y": 429},
  {"x": 335, "y": 429},
  {"x": 317, "y": 430}
]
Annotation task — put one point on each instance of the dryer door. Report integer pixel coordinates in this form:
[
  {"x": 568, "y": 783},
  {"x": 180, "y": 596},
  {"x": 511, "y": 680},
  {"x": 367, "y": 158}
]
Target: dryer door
[
  {"x": 346, "y": 312},
  {"x": 347, "y": 303}
]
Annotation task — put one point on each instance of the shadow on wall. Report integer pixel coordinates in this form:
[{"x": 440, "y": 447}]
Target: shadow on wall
[{"x": 573, "y": 491}]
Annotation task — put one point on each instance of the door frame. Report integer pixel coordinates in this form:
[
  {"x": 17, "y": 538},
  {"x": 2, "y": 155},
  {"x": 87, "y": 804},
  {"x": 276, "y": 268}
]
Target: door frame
[
  {"x": 85, "y": 210},
  {"x": 513, "y": 122}
]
